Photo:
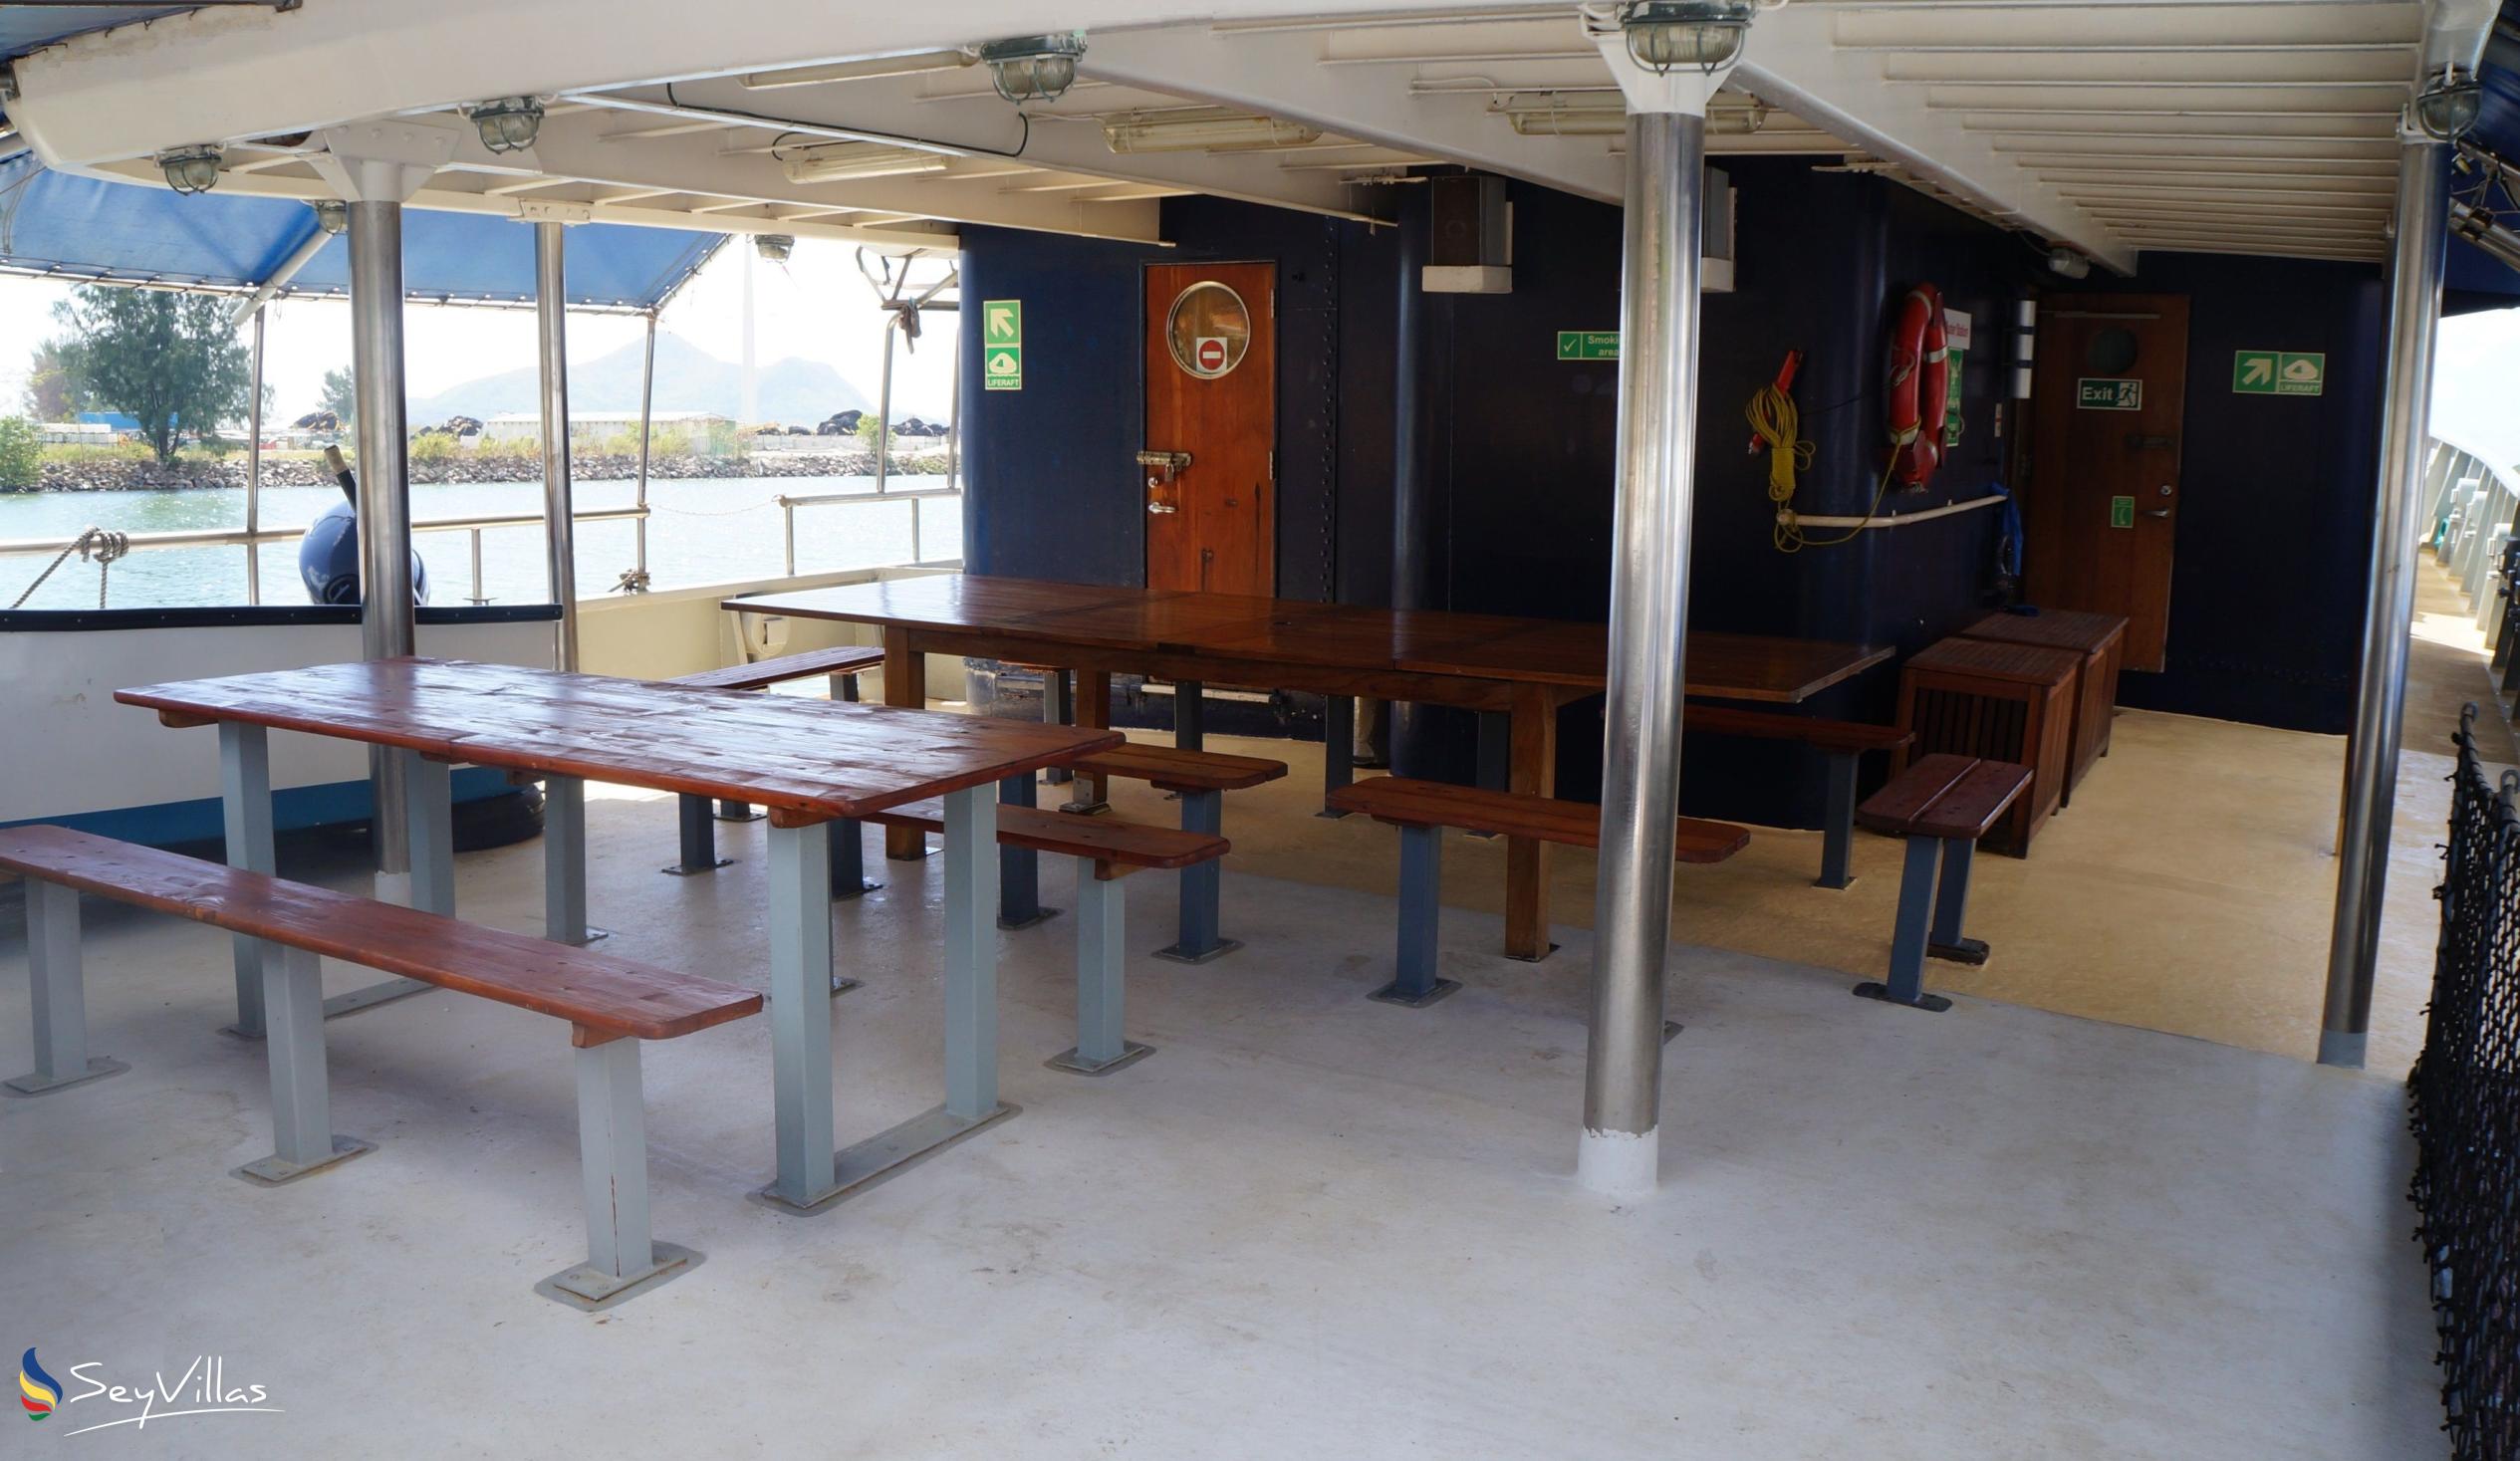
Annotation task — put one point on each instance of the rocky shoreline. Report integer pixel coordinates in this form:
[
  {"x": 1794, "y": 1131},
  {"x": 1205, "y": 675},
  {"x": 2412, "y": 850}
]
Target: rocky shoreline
[{"x": 470, "y": 467}]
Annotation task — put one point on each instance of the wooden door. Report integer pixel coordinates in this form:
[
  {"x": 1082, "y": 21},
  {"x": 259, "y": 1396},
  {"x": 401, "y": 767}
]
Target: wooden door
[
  {"x": 1211, "y": 392},
  {"x": 2100, "y": 512}
]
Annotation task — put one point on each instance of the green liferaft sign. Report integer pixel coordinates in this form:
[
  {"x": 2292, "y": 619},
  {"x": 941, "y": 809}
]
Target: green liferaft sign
[
  {"x": 1002, "y": 344},
  {"x": 1588, "y": 345},
  {"x": 2093, "y": 393},
  {"x": 2122, "y": 512},
  {"x": 2278, "y": 372}
]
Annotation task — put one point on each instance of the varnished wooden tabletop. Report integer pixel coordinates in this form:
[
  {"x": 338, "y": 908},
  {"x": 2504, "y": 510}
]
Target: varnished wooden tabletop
[
  {"x": 805, "y": 760},
  {"x": 1334, "y": 635}
]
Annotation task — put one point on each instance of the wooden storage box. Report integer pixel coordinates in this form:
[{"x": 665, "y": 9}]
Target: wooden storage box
[
  {"x": 2100, "y": 640},
  {"x": 1998, "y": 703}
]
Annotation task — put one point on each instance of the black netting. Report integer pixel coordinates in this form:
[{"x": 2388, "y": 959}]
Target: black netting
[{"x": 2466, "y": 1098}]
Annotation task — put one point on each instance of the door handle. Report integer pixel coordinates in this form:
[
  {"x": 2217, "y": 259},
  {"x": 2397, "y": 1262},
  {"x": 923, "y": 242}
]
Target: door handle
[
  {"x": 1161, "y": 467},
  {"x": 2157, "y": 511}
]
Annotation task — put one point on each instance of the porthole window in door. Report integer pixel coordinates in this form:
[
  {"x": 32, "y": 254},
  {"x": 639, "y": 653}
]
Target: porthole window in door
[
  {"x": 1208, "y": 330},
  {"x": 2112, "y": 352}
]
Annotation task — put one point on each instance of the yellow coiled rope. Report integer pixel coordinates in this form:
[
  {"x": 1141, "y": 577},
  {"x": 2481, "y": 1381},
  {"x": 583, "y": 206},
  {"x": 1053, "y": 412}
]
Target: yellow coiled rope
[{"x": 1777, "y": 422}]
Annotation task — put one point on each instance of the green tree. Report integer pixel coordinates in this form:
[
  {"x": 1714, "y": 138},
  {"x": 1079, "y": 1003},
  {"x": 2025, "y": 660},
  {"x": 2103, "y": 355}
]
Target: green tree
[
  {"x": 341, "y": 396},
  {"x": 170, "y": 359},
  {"x": 21, "y": 454},
  {"x": 54, "y": 390}
]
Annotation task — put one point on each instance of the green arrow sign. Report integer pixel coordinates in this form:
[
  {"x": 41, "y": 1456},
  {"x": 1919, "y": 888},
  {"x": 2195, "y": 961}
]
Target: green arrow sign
[
  {"x": 2278, "y": 372},
  {"x": 1002, "y": 322}
]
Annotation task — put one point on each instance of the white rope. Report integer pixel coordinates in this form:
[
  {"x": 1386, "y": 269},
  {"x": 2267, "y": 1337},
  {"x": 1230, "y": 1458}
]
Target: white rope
[{"x": 99, "y": 545}]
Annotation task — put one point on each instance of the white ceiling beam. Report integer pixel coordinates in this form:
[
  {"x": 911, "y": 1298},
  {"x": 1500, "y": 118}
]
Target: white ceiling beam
[
  {"x": 231, "y": 73},
  {"x": 2291, "y": 25},
  {"x": 1793, "y": 61},
  {"x": 875, "y": 107},
  {"x": 2288, "y": 100},
  {"x": 2050, "y": 144},
  {"x": 2383, "y": 68},
  {"x": 1280, "y": 73}
]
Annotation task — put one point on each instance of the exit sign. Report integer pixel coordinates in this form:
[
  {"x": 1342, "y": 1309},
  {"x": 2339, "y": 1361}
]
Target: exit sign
[{"x": 2093, "y": 393}]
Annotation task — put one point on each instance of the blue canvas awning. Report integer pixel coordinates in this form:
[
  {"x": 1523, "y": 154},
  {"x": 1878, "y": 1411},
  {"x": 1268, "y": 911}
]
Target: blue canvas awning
[{"x": 78, "y": 227}]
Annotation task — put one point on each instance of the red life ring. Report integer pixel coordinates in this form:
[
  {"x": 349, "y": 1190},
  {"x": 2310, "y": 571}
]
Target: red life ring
[{"x": 1920, "y": 386}]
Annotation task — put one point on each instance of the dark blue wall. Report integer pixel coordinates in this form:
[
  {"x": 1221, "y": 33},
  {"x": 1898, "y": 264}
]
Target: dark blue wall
[{"x": 1499, "y": 499}]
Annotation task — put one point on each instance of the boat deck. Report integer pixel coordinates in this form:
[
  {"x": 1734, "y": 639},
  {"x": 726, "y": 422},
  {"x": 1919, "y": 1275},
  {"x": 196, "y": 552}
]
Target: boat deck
[{"x": 1309, "y": 1224}]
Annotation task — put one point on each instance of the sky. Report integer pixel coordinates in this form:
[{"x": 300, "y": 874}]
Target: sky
[{"x": 815, "y": 306}]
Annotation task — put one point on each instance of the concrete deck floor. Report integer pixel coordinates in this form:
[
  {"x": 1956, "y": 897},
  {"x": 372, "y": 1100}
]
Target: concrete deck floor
[{"x": 1309, "y": 1225}]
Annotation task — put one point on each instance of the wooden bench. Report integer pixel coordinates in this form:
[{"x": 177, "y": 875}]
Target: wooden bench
[
  {"x": 1844, "y": 742},
  {"x": 610, "y": 1003},
  {"x": 1200, "y": 779},
  {"x": 1423, "y": 809},
  {"x": 844, "y": 663},
  {"x": 1107, "y": 849},
  {"x": 1942, "y": 805}
]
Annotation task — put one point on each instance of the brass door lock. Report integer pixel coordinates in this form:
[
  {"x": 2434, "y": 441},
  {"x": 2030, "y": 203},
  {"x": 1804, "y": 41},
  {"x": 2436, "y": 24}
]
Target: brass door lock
[{"x": 1163, "y": 491}]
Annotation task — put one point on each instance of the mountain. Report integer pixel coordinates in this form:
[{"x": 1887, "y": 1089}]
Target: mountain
[{"x": 688, "y": 379}]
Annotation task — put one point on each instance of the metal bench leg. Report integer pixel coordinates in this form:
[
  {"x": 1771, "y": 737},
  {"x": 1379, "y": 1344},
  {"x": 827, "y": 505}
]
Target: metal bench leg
[
  {"x": 848, "y": 872},
  {"x": 301, "y": 1108},
  {"x": 801, "y": 1015},
  {"x": 60, "y": 997},
  {"x": 845, "y": 688},
  {"x": 1190, "y": 715},
  {"x": 1103, "y": 1045},
  {"x": 970, "y": 955},
  {"x": 245, "y": 805},
  {"x": 1907, "y": 984},
  {"x": 1951, "y": 904},
  {"x": 1056, "y": 709},
  {"x": 564, "y": 862},
  {"x": 699, "y": 839},
  {"x": 1421, "y": 887},
  {"x": 429, "y": 812},
  {"x": 1202, "y": 885},
  {"x": 1338, "y": 749},
  {"x": 621, "y": 1256},
  {"x": 1019, "y": 868},
  {"x": 737, "y": 811},
  {"x": 1837, "y": 837}
]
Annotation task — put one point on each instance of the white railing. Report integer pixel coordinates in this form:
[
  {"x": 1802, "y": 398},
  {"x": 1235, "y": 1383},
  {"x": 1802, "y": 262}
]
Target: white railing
[{"x": 2473, "y": 508}]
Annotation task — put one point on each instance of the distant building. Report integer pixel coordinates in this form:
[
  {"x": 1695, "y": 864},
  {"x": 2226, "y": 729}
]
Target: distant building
[
  {"x": 603, "y": 426},
  {"x": 76, "y": 433}
]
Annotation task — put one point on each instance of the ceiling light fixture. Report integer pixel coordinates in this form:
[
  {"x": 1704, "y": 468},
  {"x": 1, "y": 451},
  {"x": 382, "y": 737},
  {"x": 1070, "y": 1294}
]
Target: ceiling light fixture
[
  {"x": 842, "y": 161},
  {"x": 1599, "y": 115},
  {"x": 775, "y": 247},
  {"x": 192, "y": 170},
  {"x": 1671, "y": 34},
  {"x": 508, "y": 124},
  {"x": 333, "y": 216},
  {"x": 1203, "y": 130},
  {"x": 873, "y": 68},
  {"x": 1034, "y": 68},
  {"x": 2448, "y": 107}
]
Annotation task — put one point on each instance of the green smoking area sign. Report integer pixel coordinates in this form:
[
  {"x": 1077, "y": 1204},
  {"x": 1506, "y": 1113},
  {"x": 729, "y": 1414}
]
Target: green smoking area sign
[{"x": 1588, "y": 345}]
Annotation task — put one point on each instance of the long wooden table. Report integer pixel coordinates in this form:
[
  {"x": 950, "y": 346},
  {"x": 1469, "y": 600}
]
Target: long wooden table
[
  {"x": 808, "y": 762},
  {"x": 1523, "y": 669}
]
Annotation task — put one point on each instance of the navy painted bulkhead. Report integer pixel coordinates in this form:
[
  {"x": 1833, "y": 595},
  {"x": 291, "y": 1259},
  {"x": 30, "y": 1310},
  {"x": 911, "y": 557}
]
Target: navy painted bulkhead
[{"x": 1434, "y": 452}]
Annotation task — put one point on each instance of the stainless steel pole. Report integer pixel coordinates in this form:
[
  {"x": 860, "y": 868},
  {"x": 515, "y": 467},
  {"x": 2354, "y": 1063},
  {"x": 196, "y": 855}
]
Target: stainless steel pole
[
  {"x": 551, "y": 311},
  {"x": 1648, "y": 609},
  {"x": 646, "y": 429},
  {"x": 385, "y": 495},
  {"x": 883, "y": 409},
  {"x": 2379, "y": 705},
  {"x": 254, "y": 473}
]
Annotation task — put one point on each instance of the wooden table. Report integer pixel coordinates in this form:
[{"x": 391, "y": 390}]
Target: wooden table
[
  {"x": 1520, "y": 668},
  {"x": 808, "y": 762}
]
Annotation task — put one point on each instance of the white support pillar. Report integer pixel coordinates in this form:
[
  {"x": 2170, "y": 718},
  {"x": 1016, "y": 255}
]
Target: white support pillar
[
  {"x": 375, "y": 167},
  {"x": 560, "y": 523},
  {"x": 1619, "y": 1155},
  {"x": 2380, "y": 708}
]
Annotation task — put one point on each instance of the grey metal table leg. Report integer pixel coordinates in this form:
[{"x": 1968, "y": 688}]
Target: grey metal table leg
[
  {"x": 245, "y": 808},
  {"x": 699, "y": 839},
  {"x": 849, "y": 867},
  {"x": 1190, "y": 715},
  {"x": 1101, "y": 915},
  {"x": 1421, "y": 884},
  {"x": 1837, "y": 837},
  {"x": 1019, "y": 868},
  {"x": 59, "y": 995},
  {"x": 1203, "y": 887},
  {"x": 564, "y": 862},
  {"x": 1057, "y": 708},
  {"x": 1951, "y": 905},
  {"x": 1907, "y": 982},
  {"x": 801, "y": 1016},
  {"x": 1338, "y": 749},
  {"x": 623, "y": 1257},
  {"x": 302, "y": 1141},
  {"x": 736, "y": 812},
  {"x": 429, "y": 811}
]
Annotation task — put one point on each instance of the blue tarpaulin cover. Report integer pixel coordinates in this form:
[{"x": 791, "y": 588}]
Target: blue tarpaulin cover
[{"x": 54, "y": 223}]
